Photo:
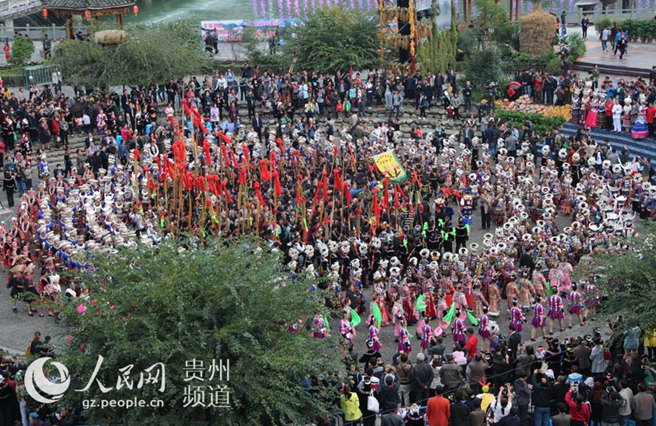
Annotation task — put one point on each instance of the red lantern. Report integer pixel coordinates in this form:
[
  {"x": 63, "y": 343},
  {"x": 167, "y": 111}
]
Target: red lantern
[
  {"x": 44, "y": 12},
  {"x": 87, "y": 14},
  {"x": 135, "y": 10}
]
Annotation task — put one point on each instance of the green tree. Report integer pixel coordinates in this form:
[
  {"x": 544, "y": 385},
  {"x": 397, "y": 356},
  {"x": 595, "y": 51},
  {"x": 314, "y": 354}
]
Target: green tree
[
  {"x": 224, "y": 302},
  {"x": 21, "y": 51},
  {"x": 628, "y": 278},
  {"x": 154, "y": 53},
  {"x": 484, "y": 67},
  {"x": 335, "y": 39},
  {"x": 438, "y": 54}
]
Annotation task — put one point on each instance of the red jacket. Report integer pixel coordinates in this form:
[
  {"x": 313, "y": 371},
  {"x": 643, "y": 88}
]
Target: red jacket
[
  {"x": 651, "y": 112},
  {"x": 582, "y": 415},
  {"x": 438, "y": 411},
  {"x": 609, "y": 108},
  {"x": 472, "y": 346}
]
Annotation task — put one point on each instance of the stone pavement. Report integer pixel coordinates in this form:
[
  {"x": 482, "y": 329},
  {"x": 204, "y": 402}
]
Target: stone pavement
[{"x": 639, "y": 55}]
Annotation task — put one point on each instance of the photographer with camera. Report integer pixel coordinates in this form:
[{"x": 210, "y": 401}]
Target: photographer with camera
[
  {"x": 543, "y": 395},
  {"x": 578, "y": 408},
  {"x": 501, "y": 407},
  {"x": 612, "y": 402}
]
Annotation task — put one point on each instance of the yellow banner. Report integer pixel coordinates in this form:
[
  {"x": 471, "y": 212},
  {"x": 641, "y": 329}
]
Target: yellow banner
[{"x": 390, "y": 166}]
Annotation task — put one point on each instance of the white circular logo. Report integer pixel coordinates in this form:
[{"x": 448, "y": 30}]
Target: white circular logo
[{"x": 40, "y": 388}]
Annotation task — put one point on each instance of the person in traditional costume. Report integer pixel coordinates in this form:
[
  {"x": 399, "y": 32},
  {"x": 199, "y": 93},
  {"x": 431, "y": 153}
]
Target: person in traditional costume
[
  {"x": 516, "y": 316},
  {"x": 404, "y": 345},
  {"x": 539, "y": 320},
  {"x": 556, "y": 311},
  {"x": 484, "y": 329},
  {"x": 495, "y": 298},
  {"x": 373, "y": 334},
  {"x": 640, "y": 130},
  {"x": 458, "y": 327},
  {"x": 575, "y": 306},
  {"x": 319, "y": 326},
  {"x": 591, "y": 295},
  {"x": 426, "y": 334}
]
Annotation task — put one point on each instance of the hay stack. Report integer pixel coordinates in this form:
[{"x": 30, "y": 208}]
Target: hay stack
[{"x": 536, "y": 32}]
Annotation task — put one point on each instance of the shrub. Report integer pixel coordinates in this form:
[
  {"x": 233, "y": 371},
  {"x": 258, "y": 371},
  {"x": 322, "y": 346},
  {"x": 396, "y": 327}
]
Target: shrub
[
  {"x": 21, "y": 51},
  {"x": 484, "y": 67},
  {"x": 576, "y": 46},
  {"x": 541, "y": 124},
  {"x": 603, "y": 23}
]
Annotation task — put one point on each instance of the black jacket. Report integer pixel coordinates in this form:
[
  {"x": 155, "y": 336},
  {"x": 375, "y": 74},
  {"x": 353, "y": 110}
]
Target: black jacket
[
  {"x": 611, "y": 409},
  {"x": 542, "y": 394},
  {"x": 421, "y": 376},
  {"x": 460, "y": 414}
]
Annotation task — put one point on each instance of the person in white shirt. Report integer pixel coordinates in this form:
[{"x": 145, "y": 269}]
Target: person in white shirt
[
  {"x": 625, "y": 410},
  {"x": 502, "y": 405},
  {"x": 617, "y": 116},
  {"x": 605, "y": 35}
]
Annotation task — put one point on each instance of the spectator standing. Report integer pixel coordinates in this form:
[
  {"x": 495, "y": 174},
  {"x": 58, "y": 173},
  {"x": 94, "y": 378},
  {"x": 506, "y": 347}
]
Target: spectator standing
[
  {"x": 624, "y": 412},
  {"x": 438, "y": 410},
  {"x": 420, "y": 380},
  {"x": 585, "y": 23},
  {"x": 523, "y": 393},
  {"x": 562, "y": 418},
  {"x": 542, "y": 397},
  {"x": 643, "y": 406},
  {"x": 404, "y": 370},
  {"x": 604, "y": 36},
  {"x": 578, "y": 409}
]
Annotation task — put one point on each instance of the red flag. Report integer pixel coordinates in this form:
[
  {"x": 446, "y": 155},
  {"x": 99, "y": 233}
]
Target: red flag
[
  {"x": 396, "y": 198},
  {"x": 274, "y": 159},
  {"x": 386, "y": 193},
  {"x": 317, "y": 194},
  {"x": 401, "y": 191},
  {"x": 227, "y": 192},
  {"x": 247, "y": 156},
  {"x": 185, "y": 105},
  {"x": 264, "y": 171},
  {"x": 276, "y": 184},
  {"x": 258, "y": 193},
  {"x": 206, "y": 151},
  {"x": 280, "y": 145},
  {"x": 325, "y": 185},
  {"x": 224, "y": 138},
  {"x": 415, "y": 179},
  {"x": 338, "y": 182},
  {"x": 377, "y": 209},
  {"x": 348, "y": 194},
  {"x": 224, "y": 152},
  {"x": 351, "y": 72},
  {"x": 242, "y": 176},
  {"x": 234, "y": 160},
  {"x": 137, "y": 154},
  {"x": 200, "y": 181}
]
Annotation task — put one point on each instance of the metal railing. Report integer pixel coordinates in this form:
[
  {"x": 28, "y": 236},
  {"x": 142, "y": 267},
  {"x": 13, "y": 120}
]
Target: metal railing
[{"x": 36, "y": 33}]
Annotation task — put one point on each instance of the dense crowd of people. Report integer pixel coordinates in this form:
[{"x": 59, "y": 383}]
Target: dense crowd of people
[{"x": 297, "y": 169}]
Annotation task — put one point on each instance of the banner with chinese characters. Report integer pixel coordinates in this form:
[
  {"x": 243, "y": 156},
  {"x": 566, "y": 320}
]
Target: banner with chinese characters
[
  {"x": 390, "y": 166},
  {"x": 233, "y": 30}
]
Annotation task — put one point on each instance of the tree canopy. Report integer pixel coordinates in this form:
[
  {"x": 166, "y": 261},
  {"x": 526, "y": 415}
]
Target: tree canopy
[
  {"x": 627, "y": 277},
  {"x": 223, "y": 302},
  {"x": 150, "y": 54},
  {"x": 335, "y": 39},
  {"x": 21, "y": 51}
]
